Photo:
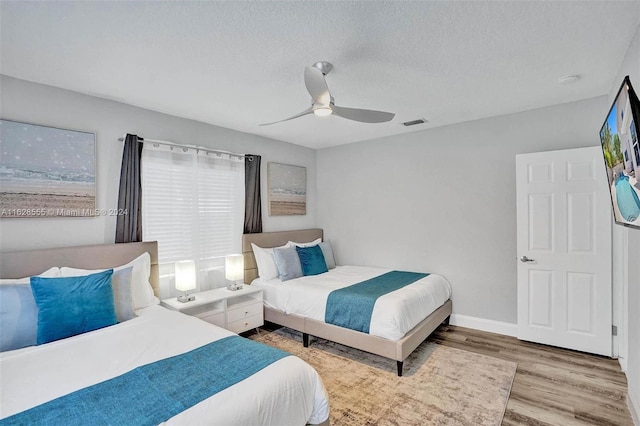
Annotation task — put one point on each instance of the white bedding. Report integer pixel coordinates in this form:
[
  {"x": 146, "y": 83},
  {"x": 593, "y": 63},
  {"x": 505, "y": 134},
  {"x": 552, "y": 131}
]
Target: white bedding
[
  {"x": 288, "y": 392},
  {"x": 394, "y": 314}
]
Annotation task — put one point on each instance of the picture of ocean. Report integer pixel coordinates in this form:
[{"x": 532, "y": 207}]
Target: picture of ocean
[
  {"x": 287, "y": 189},
  {"x": 46, "y": 171}
]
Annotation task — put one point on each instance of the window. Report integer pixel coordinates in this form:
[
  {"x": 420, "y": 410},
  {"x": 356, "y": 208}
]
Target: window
[{"x": 193, "y": 205}]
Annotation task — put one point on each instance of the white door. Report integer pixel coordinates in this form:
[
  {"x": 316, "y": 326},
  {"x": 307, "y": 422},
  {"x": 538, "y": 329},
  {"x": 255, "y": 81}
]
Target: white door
[{"x": 564, "y": 250}]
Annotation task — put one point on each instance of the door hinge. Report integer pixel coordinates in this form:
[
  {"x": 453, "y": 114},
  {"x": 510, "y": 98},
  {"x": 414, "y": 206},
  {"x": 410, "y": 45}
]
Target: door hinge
[{"x": 614, "y": 330}]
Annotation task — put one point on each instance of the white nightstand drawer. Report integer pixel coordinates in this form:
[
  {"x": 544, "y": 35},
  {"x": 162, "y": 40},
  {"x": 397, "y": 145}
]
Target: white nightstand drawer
[
  {"x": 213, "y": 318},
  {"x": 235, "y": 314},
  {"x": 245, "y": 324}
]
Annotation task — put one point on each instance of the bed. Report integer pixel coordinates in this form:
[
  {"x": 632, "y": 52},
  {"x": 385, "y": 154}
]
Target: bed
[
  {"x": 34, "y": 379},
  {"x": 280, "y": 308}
]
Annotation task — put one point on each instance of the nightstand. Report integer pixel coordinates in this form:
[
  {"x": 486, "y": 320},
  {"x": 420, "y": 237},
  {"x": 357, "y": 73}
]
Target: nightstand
[{"x": 237, "y": 311}]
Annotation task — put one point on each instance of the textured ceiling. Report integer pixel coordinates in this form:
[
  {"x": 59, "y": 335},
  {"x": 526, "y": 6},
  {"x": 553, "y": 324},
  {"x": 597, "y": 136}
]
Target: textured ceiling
[{"x": 239, "y": 64}]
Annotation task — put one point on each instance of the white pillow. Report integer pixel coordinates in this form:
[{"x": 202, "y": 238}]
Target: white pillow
[
  {"x": 49, "y": 273},
  {"x": 327, "y": 252},
  {"x": 141, "y": 290},
  {"x": 311, "y": 244},
  {"x": 267, "y": 269}
]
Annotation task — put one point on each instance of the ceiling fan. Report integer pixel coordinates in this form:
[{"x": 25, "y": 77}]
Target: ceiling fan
[{"x": 323, "y": 103}]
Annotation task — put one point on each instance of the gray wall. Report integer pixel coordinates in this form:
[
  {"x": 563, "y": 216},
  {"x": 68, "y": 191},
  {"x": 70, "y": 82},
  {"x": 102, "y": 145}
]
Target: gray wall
[
  {"x": 444, "y": 200},
  {"x": 39, "y": 104}
]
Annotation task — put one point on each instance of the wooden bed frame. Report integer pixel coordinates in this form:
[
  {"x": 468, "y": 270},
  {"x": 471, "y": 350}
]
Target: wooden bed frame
[
  {"x": 398, "y": 350},
  {"x": 18, "y": 264}
]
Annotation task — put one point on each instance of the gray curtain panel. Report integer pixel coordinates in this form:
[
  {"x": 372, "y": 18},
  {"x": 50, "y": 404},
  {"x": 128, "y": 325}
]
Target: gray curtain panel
[
  {"x": 129, "y": 226},
  {"x": 252, "y": 201}
]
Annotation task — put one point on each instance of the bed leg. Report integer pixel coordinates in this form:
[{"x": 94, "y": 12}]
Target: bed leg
[
  {"x": 399, "y": 364},
  {"x": 446, "y": 321},
  {"x": 305, "y": 340}
]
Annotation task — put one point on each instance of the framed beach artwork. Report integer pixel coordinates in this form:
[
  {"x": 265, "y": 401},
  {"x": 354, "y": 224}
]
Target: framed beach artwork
[
  {"x": 287, "y": 189},
  {"x": 45, "y": 171}
]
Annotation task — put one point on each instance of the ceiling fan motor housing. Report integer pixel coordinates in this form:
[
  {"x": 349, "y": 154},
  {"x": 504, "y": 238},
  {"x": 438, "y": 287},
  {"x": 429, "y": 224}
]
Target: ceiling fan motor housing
[{"x": 323, "y": 66}]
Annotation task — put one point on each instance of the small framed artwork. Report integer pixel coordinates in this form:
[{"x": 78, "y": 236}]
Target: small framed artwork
[
  {"x": 45, "y": 171},
  {"x": 287, "y": 189}
]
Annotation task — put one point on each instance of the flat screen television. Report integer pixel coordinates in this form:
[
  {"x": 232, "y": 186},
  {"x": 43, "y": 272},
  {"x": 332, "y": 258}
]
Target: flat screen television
[{"x": 621, "y": 151}]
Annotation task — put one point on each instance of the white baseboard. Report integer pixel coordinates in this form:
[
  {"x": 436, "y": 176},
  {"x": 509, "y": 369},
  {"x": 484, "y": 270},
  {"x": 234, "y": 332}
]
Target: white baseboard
[
  {"x": 634, "y": 410},
  {"x": 491, "y": 326},
  {"x": 623, "y": 363}
]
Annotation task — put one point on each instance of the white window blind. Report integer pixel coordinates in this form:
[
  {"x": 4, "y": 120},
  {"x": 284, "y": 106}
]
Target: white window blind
[{"x": 193, "y": 205}]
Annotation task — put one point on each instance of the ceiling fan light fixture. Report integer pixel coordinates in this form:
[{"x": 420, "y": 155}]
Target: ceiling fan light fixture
[{"x": 323, "y": 111}]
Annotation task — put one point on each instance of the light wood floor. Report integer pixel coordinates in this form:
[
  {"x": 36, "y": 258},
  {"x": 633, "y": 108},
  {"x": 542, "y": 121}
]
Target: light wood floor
[{"x": 552, "y": 386}]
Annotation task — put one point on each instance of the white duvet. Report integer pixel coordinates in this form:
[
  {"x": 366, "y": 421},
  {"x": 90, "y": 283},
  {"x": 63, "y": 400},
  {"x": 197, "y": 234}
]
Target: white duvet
[
  {"x": 287, "y": 392},
  {"x": 394, "y": 314}
]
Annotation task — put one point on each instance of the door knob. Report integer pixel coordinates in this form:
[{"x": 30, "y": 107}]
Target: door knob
[{"x": 526, "y": 259}]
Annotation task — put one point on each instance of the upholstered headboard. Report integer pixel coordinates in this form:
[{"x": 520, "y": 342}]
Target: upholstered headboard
[
  {"x": 271, "y": 239},
  {"x": 18, "y": 264}
]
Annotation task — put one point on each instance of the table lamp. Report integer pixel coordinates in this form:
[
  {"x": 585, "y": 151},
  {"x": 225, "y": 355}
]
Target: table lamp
[
  {"x": 234, "y": 270},
  {"x": 185, "y": 279}
]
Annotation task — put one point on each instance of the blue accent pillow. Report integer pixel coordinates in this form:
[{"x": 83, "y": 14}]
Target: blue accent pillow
[
  {"x": 288, "y": 263},
  {"x": 73, "y": 305},
  {"x": 312, "y": 260},
  {"x": 18, "y": 317}
]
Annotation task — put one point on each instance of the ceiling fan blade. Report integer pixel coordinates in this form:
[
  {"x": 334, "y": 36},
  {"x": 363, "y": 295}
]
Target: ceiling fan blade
[
  {"x": 362, "y": 115},
  {"x": 305, "y": 112},
  {"x": 317, "y": 86}
]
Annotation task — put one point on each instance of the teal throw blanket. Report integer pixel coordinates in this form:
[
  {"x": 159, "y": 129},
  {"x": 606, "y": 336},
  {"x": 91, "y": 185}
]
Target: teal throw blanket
[
  {"x": 155, "y": 392},
  {"x": 352, "y": 306}
]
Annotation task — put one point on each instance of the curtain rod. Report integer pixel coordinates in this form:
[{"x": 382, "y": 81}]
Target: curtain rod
[{"x": 167, "y": 143}]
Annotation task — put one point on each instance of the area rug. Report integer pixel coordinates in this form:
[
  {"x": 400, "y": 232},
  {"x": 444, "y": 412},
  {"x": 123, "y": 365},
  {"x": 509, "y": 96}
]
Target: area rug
[{"x": 439, "y": 386}]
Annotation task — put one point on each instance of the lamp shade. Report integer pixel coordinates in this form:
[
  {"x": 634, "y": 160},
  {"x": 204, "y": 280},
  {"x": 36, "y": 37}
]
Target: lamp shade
[
  {"x": 185, "y": 275},
  {"x": 234, "y": 267}
]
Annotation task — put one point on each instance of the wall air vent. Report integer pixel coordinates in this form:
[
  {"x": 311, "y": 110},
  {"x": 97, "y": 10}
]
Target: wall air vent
[{"x": 414, "y": 122}]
